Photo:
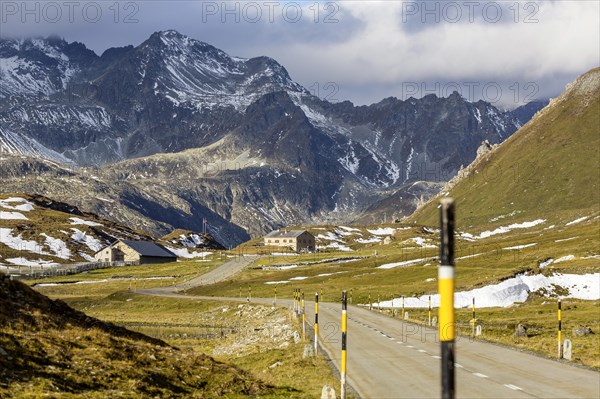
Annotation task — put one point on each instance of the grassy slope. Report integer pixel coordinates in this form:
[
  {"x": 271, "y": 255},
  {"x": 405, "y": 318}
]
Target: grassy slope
[
  {"x": 549, "y": 169},
  {"x": 54, "y": 220},
  {"x": 179, "y": 321},
  {"x": 50, "y": 349}
]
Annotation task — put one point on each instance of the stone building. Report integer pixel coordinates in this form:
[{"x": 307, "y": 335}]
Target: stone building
[
  {"x": 129, "y": 251},
  {"x": 296, "y": 240}
]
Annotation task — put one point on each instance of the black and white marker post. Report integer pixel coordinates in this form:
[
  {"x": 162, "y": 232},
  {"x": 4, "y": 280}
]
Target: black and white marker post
[
  {"x": 316, "y": 322},
  {"x": 303, "y": 319},
  {"x": 446, "y": 291}
]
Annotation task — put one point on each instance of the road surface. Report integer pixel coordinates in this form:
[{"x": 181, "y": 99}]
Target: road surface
[
  {"x": 389, "y": 358},
  {"x": 218, "y": 274}
]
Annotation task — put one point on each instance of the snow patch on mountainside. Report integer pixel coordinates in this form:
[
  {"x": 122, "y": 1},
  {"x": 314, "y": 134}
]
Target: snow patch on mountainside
[
  {"x": 76, "y": 221},
  {"x": 12, "y": 216},
  {"x": 81, "y": 237},
  {"x": 22, "y": 76},
  {"x": 18, "y": 144},
  {"x": 25, "y": 206}
]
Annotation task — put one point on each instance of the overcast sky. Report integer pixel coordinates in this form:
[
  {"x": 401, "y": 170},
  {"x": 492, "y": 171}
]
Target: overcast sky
[{"x": 505, "y": 52}]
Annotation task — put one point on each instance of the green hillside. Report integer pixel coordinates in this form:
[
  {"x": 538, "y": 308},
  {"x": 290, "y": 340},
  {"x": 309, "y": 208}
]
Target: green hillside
[
  {"x": 48, "y": 349},
  {"x": 549, "y": 169}
]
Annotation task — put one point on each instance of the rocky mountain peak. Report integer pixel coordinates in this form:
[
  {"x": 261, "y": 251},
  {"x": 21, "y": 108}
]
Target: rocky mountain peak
[{"x": 267, "y": 152}]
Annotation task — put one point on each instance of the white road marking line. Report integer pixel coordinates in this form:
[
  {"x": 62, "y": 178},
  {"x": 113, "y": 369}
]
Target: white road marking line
[
  {"x": 409, "y": 346},
  {"x": 480, "y": 375},
  {"x": 392, "y": 338},
  {"x": 399, "y": 342},
  {"x": 459, "y": 366},
  {"x": 421, "y": 350},
  {"x": 436, "y": 356},
  {"x": 513, "y": 387}
]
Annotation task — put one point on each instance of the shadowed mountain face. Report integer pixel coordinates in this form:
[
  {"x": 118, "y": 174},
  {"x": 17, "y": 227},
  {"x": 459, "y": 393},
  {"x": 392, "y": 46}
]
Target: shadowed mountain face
[{"x": 177, "y": 130}]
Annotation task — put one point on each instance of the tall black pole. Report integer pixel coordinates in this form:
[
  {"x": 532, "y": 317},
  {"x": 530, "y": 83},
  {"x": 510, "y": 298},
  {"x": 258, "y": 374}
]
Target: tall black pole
[{"x": 446, "y": 291}]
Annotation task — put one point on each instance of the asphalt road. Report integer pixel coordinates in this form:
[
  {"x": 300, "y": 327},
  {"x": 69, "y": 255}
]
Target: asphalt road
[
  {"x": 221, "y": 273},
  {"x": 389, "y": 358}
]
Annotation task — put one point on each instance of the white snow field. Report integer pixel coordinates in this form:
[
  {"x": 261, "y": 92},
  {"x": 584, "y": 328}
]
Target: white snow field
[{"x": 516, "y": 289}]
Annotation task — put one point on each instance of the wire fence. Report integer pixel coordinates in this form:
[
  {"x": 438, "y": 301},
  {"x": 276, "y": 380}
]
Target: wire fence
[{"x": 53, "y": 270}]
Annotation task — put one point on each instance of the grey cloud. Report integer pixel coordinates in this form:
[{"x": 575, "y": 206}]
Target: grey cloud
[{"x": 345, "y": 59}]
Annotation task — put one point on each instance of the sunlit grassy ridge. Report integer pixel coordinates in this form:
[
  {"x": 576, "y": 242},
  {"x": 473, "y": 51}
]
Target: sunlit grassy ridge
[
  {"x": 51, "y": 349},
  {"x": 549, "y": 169}
]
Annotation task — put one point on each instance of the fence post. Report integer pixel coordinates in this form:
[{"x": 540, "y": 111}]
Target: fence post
[
  {"x": 370, "y": 304},
  {"x": 344, "y": 335},
  {"x": 446, "y": 291},
  {"x": 316, "y": 322}
]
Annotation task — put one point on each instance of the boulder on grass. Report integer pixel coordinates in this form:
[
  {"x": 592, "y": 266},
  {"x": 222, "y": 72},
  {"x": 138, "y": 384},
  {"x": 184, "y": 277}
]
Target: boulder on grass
[{"x": 520, "y": 331}]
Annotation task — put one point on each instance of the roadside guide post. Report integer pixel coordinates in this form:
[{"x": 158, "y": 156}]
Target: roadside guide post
[{"x": 446, "y": 292}]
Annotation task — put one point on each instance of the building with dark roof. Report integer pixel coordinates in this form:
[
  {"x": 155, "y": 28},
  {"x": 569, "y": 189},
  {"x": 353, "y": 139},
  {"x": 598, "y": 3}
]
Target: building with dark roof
[
  {"x": 296, "y": 240},
  {"x": 142, "y": 252}
]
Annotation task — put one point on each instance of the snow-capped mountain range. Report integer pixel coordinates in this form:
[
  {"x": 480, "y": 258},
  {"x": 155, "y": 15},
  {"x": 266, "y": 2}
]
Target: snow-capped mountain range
[{"x": 292, "y": 156}]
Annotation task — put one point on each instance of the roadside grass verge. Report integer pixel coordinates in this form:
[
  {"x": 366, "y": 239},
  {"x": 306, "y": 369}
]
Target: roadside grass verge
[
  {"x": 213, "y": 328},
  {"x": 103, "y": 282},
  {"x": 539, "y": 315}
]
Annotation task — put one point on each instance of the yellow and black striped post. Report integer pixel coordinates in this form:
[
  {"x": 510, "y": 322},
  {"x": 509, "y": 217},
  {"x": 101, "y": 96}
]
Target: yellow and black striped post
[
  {"x": 379, "y": 303},
  {"x": 351, "y": 295},
  {"x": 429, "y": 313},
  {"x": 296, "y": 301},
  {"x": 446, "y": 291},
  {"x": 316, "y": 322},
  {"x": 402, "y": 315},
  {"x": 559, "y": 331},
  {"x": 240, "y": 292},
  {"x": 344, "y": 336},
  {"x": 303, "y": 320},
  {"x": 473, "y": 318}
]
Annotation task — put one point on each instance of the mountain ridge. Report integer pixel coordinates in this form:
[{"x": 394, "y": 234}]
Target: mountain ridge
[
  {"x": 538, "y": 156},
  {"x": 123, "y": 116}
]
